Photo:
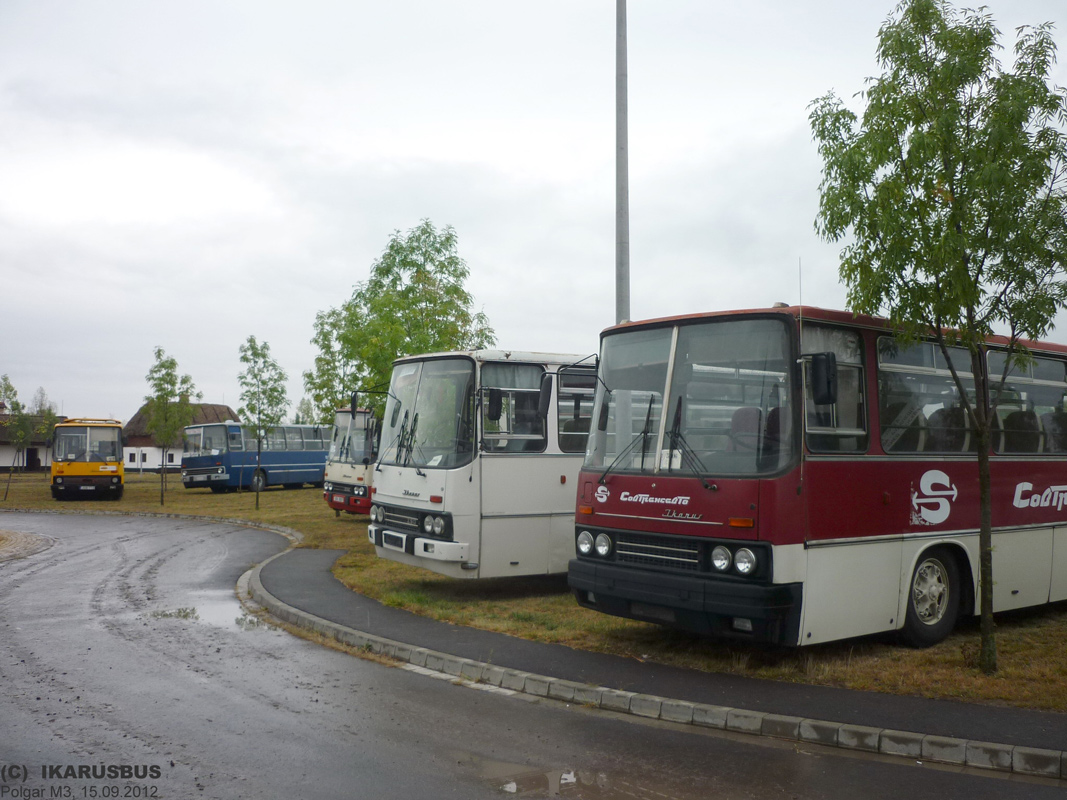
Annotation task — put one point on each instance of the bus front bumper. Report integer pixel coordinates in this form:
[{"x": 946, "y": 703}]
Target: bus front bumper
[
  {"x": 353, "y": 499},
  {"x": 735, "y": 609},
  {"x": 420, "y": 546},
  {"x": 194, "y": 479}
]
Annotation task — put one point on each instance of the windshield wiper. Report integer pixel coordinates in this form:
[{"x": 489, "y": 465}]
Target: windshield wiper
[
  {"x": 398, "y": 440},
  {"x": 411, "y": 444},
  {"x": 678, "y": 442},
  {"x": 643, "y": 436}
]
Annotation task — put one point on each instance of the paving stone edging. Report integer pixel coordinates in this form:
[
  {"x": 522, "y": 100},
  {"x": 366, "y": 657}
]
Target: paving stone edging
[{"x": 1030, "y": 761}]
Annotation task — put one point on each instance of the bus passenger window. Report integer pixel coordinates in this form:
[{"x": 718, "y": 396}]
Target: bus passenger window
[
  {"x": 510, "y": 422},
  {"x": 840, "y": 427},
  {"x": 574, "y": 398}
]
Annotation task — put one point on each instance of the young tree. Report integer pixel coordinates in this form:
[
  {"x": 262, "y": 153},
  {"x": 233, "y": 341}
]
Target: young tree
[
  {"x": 415, "y": 301},
  {"x": 263, "y": 397},
  {"x": 168, "y": 408},
  {"x": 44, "y": 414},
  {"x": 952, "y": 187},
  {"x": 19, "y": 423}
]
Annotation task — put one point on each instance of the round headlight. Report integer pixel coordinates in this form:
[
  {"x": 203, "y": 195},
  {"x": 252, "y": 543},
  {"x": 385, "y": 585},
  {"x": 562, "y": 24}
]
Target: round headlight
[
  {"x": 438, "y": 525},
  {"x": 721, "y": 558},
  {"x": 220, "y": 470},
  {"x": 603, "y": 544},
  {"x": 427, "y": 524},
  {"x": 745, "y": 561},
  {"x": 373, "y": 513},
  {"x": 59, "y": 480},
  {"x": 381, "y": 514},
  {"x": 585, "y": 543}
]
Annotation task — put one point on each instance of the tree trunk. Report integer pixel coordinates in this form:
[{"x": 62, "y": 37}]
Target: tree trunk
[
  {"x": 162, "y": 473},
  {"x": 10, "y": 473},
  {"x": 984, "y": 411}
]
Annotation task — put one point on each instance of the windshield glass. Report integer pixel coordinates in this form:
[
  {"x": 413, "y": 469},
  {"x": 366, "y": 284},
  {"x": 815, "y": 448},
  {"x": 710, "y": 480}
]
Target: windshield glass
[
  {"x": 633, "y": 371},
  {"x": 353, "y": 437},
  {"x": 727, "y": 406},
  {"x": 87, "y": 444},
  {"x": 430, "y": 414},
  {"x": 209, "y": 440}
]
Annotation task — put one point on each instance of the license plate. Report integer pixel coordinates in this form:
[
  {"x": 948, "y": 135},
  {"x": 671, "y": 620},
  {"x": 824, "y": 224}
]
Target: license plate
[
  {"x": 338, "y": 498},
  {"x": 658, "y": 613},
  {"x": 87, "y": 488}
]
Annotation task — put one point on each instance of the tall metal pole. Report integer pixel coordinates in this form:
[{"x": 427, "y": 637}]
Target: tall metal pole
[{"x": 622, "y": 179}]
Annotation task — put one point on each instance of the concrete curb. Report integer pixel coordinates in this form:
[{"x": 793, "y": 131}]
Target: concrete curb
[{"x": 1029, "y": 761}]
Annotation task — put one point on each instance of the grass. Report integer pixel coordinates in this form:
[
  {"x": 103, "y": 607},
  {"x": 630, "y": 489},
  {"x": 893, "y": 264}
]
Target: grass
[{"x": 1032, "y": 656}]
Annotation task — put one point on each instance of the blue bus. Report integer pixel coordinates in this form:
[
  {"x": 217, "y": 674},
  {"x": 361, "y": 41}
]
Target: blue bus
[{"x": 222, "y": 456}]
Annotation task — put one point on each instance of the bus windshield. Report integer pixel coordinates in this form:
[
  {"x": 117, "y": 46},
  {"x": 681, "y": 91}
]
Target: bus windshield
[
  {"x": 429, "y": 417},
  {"x": 209, "y": 440},
  {"x": 727, "y": 407},
  {"x": 88, "y": 443},
  {"x": 353, "y": 437}
]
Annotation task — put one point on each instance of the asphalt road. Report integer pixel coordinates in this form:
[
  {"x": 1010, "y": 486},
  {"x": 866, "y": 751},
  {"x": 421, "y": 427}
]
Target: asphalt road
[{"x": 105, "y": 664}]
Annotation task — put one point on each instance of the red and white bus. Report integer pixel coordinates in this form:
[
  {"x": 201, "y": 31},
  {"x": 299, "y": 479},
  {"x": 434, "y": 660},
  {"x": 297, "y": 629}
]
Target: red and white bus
[
  {"x": 728, "y": 490},
  {"x": 350, "y": 461}
]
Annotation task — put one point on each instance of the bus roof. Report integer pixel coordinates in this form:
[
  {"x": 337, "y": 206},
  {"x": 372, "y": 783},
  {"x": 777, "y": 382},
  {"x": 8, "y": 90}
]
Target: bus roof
[
  {"x": 504, "y": 355},
  {"x": 88, "y": 421},
  {"x": 809, "y": 313}
]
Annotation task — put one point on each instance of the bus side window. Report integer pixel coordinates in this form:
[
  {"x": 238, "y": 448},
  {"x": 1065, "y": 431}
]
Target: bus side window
[
  {"x": 574, "y": 399},
  {"x": 839, "y": 427},
  {"x": 518, "y": 428}
]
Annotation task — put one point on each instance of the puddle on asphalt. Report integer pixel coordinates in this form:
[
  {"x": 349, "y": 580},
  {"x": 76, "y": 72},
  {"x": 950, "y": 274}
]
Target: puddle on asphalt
[
  {"x": 516, "y": 780},
  {"x": 216, "y": 607}
]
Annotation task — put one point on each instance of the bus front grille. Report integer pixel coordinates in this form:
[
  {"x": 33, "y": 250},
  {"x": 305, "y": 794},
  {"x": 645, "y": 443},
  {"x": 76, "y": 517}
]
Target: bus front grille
[
  {"x": 658, "y": 551},
  {"x": 401, "y": 519}
]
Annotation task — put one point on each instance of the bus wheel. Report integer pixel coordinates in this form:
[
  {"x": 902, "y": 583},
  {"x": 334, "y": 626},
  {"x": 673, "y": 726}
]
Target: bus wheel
[
  {"x": 933, "y": 599},
  {"x": 259, "y": 481}
]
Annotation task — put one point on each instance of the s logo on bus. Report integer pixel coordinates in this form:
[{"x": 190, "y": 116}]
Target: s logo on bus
[
  {"x": 931, "y": 504},
  {"x": 602, "y": 494}
]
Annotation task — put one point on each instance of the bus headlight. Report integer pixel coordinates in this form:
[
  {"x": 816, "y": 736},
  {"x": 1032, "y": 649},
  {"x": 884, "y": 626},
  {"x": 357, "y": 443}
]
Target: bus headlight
[
  {"x": 585, "y": 543},
  {"x": 603, "y": 545},
  {"x": 427, "y": 524},
  {"x": 374, "y": 513},
  {"x": 721, "y": 558},
  {"x": 745, "y": 561},
  {"x": 438, "y": 525},
  {"x": 381, "y": 514}
]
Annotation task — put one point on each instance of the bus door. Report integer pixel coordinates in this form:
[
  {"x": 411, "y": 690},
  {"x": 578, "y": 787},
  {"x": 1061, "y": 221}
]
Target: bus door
[{"x": 517, "y": 491}]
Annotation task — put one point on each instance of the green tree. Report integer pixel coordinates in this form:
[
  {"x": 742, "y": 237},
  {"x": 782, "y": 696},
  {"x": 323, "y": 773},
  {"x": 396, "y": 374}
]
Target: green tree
[
  {"x": 263, "y": 398},
  {"x": 44, "y": 414},
  {"x": 19, "y": 423},
  {"x": 952, "y": 188},
  {"x": 306, "y": 414},
  {"x": 415, "y": 301},
  {"x": 168, "y": 408}
]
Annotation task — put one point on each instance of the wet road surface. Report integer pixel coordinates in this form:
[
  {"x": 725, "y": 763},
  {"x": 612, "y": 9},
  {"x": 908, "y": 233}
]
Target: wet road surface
[{"x": 123, "y": 646}]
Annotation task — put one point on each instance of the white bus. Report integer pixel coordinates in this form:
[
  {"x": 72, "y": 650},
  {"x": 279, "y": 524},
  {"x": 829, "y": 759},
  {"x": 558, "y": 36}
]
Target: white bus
[
  {"x": 350, "y": 461},
  {"x": 480, "y": 452}
]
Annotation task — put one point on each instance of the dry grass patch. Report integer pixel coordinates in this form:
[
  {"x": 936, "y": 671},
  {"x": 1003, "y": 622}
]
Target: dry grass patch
[{"x": 1033, "y": 660}]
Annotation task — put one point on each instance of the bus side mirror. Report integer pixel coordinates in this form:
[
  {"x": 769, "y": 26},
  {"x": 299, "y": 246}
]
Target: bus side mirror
[
  {"x": 824, "y": 379},
  {"x": 496, "y": 405},
  {"x": 353, "y": 404},
  {"x": 395, "y": 416},
  {"x": 544, "y": 398},
  {"x": 602, "y": 420}
]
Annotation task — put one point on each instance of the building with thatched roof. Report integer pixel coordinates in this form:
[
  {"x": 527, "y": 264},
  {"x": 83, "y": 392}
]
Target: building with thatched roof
[{"x": 143, "y": 452}]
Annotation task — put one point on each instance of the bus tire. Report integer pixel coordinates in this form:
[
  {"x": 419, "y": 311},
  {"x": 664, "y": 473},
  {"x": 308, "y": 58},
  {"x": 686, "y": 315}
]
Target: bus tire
[
  {"x": 933, "y": 599},
  {"x": 259, "y": 481}
]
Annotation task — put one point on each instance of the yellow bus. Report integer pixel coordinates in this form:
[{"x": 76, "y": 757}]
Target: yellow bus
[{"x": 87, "y": 459}]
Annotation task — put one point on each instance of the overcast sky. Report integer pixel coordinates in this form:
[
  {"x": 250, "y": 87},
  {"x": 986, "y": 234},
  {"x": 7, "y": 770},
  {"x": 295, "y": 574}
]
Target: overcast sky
[{"x": 186, "y": 174}]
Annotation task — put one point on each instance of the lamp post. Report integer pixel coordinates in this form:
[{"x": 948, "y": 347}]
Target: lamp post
[{"x": 622, "y": 180}]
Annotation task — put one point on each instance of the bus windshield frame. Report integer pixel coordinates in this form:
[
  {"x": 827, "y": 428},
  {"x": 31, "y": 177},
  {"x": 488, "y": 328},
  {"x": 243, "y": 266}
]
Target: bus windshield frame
[
  {"x": 429, "y": 416},
  {"x": 729, "y": 385},
  {"x": 88, "y": 443}
]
